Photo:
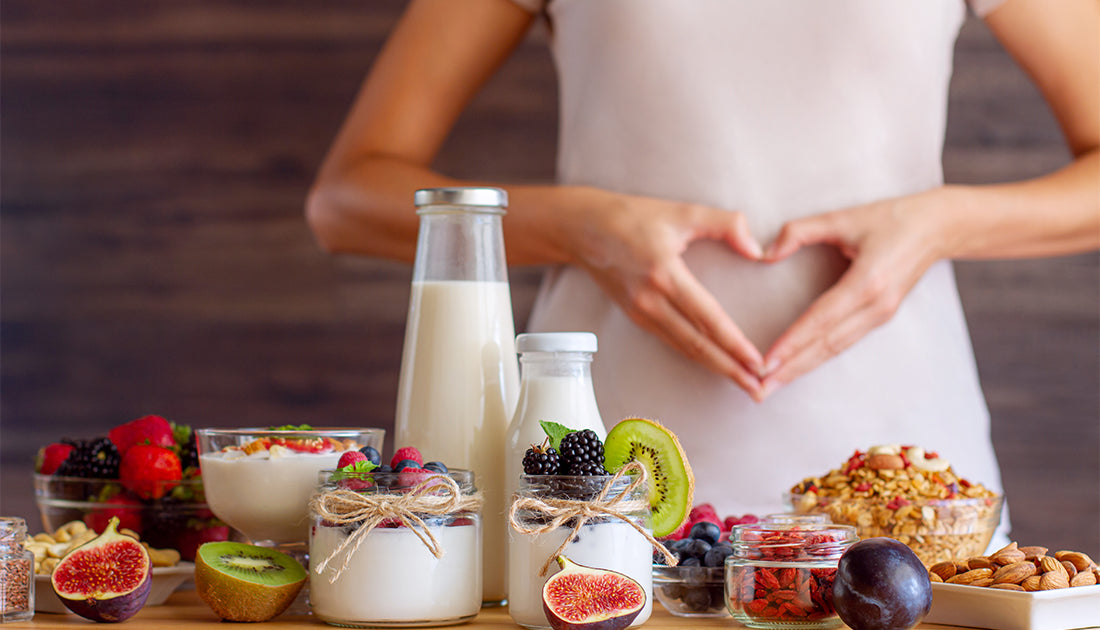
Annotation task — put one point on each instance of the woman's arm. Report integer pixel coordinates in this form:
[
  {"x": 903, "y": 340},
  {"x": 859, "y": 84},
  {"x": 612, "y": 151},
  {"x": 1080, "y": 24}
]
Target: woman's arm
[
  {"x": 439, "y": 55},
  {"x": 892, "y": 243}
]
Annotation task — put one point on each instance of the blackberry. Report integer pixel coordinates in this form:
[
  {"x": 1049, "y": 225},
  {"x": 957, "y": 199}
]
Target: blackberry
[
  {"x": 587, "y": 469},
  {"x": 77, "y": 464},
  {"x": 189, "y": 453},
  {"x": 541, "y": 460},
  {"x": 580, "y": 447},
  {"x": 103, "y": 459}
]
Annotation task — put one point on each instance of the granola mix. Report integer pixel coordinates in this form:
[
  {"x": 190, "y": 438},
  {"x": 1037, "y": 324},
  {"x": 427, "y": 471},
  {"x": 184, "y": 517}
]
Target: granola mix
[{"x": 904, "y": 493}]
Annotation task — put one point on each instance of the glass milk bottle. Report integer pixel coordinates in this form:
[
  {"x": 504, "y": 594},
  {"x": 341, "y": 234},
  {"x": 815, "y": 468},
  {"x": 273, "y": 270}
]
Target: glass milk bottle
[
  {"x": 556, "y": 386},
  {"x": 459, "y": 377}
]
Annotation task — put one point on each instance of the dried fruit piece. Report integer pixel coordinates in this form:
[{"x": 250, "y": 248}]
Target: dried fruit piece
[
  {"x": 106, "y": 579},
  {"x": 585, "y": 598},
  {"x": 242, "y": 582}
]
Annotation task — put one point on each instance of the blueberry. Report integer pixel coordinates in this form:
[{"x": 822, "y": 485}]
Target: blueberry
[
  {"x": 716, "y": 557},
  {"x": 690, "y": 562},
  {"x": 679, "y": 546},
  {"x": 673, "y": 591},
  {"x": 705, "y": 530},
  {"x": 438, "y": 467},
  {"x": 384, "y": 468},
  {"x": 697, "y": 599},
  {"x": 697, "y": 549},
  {"x": 405, "y": 463},
  {"x": 373, "y": 456}
]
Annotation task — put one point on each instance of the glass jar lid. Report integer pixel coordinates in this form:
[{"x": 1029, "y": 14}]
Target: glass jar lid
[{"x": 461, "y": 196}]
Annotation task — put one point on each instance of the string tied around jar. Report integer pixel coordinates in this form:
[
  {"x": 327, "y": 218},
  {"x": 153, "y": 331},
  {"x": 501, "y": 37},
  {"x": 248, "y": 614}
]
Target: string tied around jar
[
  {"x": 560, "y": 511},
  {"x": 437, "y": 495}
]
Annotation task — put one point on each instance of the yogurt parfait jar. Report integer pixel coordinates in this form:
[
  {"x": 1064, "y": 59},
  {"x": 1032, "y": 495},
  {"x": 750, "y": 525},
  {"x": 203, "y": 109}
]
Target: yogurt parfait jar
[
  {"x": 395, "y": 550},
  {"x": 604, "y": 542},
  {"x": 780, "y": 575}
]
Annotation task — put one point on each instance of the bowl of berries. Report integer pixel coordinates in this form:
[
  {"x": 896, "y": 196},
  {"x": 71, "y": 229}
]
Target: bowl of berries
[
  {"x": 695, "y": 586},
  {"x": 145, "y": 472}
]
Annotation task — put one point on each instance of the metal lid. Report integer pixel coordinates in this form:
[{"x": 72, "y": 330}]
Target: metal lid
[
  {"x": 461, "y": 196},
  {"x": 556, "y": 342}
]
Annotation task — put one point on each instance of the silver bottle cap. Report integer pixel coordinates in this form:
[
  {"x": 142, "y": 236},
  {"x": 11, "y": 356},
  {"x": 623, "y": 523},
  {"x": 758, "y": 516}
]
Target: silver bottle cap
[{"x": 461, "y": 196}]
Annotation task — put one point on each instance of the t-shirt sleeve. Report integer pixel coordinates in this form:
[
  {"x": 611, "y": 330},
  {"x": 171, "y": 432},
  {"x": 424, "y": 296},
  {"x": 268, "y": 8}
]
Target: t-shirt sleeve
[
  {"x": 981, "y": 8},
  {"x": 533, "y": 6}
]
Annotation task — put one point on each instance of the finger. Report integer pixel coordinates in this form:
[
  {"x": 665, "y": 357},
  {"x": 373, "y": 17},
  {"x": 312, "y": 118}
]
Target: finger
[
  {"x": 732, "y": 227},
  {"x": 654, "y": 313},
  {"x": 814, "y": 230},
  {"x": 700, "y": 307}
]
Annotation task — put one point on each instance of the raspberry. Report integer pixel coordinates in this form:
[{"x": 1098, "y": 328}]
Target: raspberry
[
  {"x": 581, "y": 447},
  {"x": 407, "y": 452},
  {"x": 350, "y": 457},
  {"x": 541, "y": 460},
  {"x": 411, "y": 477}
]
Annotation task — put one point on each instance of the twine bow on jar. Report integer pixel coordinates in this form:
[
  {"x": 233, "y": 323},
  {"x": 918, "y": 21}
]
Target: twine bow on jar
[
  {"x": 561, "y": 511},
  {"x": 437, "y": 495}
]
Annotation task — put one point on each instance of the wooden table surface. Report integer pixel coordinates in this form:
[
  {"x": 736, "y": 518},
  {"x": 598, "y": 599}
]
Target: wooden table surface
[{"x": 185, "y": 608}]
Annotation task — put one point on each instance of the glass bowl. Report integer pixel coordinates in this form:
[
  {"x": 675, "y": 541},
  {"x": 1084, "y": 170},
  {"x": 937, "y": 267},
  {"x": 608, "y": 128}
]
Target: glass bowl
[
  {"x": 691, "y": 591},
  {"x": 178, "y": 520},
  {"x": 937, "y": 530}
]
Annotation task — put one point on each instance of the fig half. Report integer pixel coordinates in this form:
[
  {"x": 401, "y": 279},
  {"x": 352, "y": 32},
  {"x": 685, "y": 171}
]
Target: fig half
[
  {"x": 584, "y": 598},
  {"x": 106, "y": 579}
]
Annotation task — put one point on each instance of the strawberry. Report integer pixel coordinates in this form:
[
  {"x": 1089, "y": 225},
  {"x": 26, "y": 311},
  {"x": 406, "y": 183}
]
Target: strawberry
[
  {"x": 150, "y": 471},
  {"x": 122, "y": 506},
  {"x": 153, "y": 430},
  {"x": 407, "y": 452},
  {"x": 350, "y": 457},
  {"x": 189, "y": 540},
  {"x": 50, "y": 457}
]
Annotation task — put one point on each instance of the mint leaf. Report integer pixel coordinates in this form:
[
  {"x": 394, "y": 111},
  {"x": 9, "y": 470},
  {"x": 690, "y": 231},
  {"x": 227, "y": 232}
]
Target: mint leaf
[
  {"x": 291, "y": 427},
  {"x": 555, "y": 432},
  {"x": 349, "y": 471}
]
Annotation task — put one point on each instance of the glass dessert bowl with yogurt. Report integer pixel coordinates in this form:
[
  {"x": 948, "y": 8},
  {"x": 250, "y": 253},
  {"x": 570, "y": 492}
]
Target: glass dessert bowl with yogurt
[{"x": 259, "y": 481}]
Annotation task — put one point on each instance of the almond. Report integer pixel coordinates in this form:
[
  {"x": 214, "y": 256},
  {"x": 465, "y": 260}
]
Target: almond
[
  {"x": 1007, "y": 556},
  {"x": 1070, "y": 569},
  {"x": 971, "y": 576},
  {"x": 1049, "y": 564},
  {"x": 1031, "y": 583},
  {"x": 1007, "y": 586},
  {"x": 1014, "y": 573},
  {"x": 885, "y": 461},
  {"x": 932, "y": 577},
  {"x": 1032, "y": 552},
  {"x": 980, "y": 562},
  {"x": 1079, "y": 560},
  {"x": 943, "y": 570},
  {"x": 1052, "y": 580},
  {"x": 982, "y": 582},
  {"x": 1084, "y": 578}
]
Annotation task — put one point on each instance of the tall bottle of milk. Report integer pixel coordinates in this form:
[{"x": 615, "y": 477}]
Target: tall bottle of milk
[
  {"x": 556, "y": 386},
  {"x": 459, "y": 377}
]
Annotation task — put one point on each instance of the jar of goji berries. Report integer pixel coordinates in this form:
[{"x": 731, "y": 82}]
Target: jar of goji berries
[{"x": 780, "y": 575}]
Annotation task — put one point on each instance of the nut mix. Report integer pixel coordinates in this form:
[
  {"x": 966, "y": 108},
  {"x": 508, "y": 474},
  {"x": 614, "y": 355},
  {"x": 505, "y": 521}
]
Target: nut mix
[
  {"x": 1016, "y": 568},
  {"x": 48, "y": 548},
  {"x": 906, "y": 494}
]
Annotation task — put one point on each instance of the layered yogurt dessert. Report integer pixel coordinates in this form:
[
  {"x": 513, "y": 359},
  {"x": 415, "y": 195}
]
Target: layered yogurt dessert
[{"x": 262, "y": 486}]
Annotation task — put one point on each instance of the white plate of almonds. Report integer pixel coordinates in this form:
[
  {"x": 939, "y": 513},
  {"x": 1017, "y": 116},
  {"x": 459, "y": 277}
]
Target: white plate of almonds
[{"x": 1017, "y": 588}]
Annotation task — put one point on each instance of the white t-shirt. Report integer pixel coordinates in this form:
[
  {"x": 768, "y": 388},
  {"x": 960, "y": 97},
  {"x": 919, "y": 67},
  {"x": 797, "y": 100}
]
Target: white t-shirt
[{"x": 778, "y": 109}]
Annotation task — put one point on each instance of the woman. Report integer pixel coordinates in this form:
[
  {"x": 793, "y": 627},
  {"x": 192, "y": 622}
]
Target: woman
[{"x": 750, "y": 213}]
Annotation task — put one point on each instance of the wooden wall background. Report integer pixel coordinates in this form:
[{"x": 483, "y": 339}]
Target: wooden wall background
[{"x": 155, "y": 258}]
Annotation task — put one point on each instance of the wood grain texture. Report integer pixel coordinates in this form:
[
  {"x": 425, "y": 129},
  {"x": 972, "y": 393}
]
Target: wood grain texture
[{"x": 155, "y": 157}]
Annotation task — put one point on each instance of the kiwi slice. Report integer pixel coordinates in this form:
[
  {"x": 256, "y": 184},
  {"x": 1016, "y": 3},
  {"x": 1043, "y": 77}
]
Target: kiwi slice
[
  {"x": 671, "y": 484},
  {"x": 242, "y": 582}
]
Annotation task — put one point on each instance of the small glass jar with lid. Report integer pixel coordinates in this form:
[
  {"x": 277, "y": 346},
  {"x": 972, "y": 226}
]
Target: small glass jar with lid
[
  {"x": 797, "y": 518},
  {"x": 395, "y": 549},
  {"x": 780, "y": 575},
  {"x": 16, "y": 571},
  {"x": 604, "y": 542}
]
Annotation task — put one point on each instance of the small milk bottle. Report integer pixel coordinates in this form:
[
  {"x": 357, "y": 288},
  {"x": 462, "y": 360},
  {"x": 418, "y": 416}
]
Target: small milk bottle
[
  {"x": 556, "y": 386},
  {"x": 459, "y": 377}
]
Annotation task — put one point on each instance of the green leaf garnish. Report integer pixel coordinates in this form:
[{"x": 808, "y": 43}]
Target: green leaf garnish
[
  {"x": 360, "y": 467},
  {"x": 555, "y": 432},
  {"x": 292, "y": 427}
]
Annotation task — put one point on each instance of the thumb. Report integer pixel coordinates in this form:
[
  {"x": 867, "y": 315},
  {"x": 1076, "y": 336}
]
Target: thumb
[
  {"x": 732, "y": 228},
  {"x": 798, "y": 234}
]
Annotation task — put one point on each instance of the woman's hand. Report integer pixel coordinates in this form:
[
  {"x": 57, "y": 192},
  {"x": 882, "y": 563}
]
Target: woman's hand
[
  {"x": 890, "y": 243},
  {"x": 633, "y": 247}
]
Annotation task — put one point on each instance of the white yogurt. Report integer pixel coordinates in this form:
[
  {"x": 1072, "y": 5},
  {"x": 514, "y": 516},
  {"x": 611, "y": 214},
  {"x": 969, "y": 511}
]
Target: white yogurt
[
  {"x": 612, "y": 545},
  {"x": 264, "y": 495},
  {"x": 392, "y": 579}
]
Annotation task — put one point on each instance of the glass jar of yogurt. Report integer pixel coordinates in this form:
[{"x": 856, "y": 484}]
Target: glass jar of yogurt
[
  {"x": 605, "y": 543},
  {"x": 780, "y": 575},
  {"x": 407, "y": 553}
]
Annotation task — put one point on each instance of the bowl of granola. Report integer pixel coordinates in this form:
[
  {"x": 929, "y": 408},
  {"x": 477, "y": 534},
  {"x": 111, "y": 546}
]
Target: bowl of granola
[{"x": 905, "y": 493}]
